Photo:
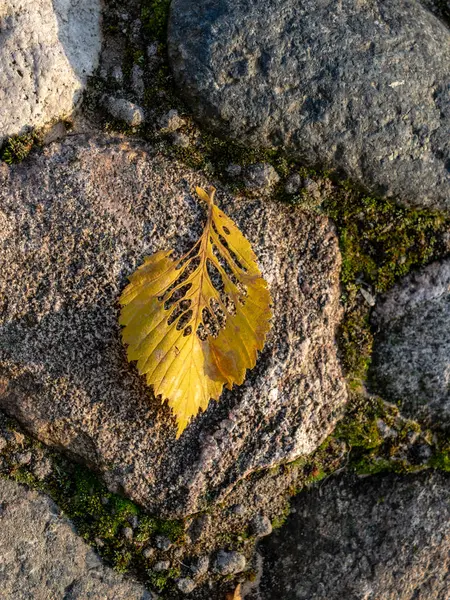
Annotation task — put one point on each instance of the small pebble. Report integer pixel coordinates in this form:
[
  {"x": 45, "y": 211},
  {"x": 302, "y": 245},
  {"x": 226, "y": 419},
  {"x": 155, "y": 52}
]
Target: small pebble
[
  {"x": 238, "y": 510},
  {"x": 260, "y": 526},
  {"x": 24, "y": 458},
  {"x": 181, "y": 140},
  {"x": 186, "y": 585},
  {"x": 171, "y": 121},
  {"x": 148, "y": 552},
  {"x": 312, "y": 188},
  {"x": 200, "y": 566},
  {"x": 127, "y": 533},
  {"x": 134, "y": 521},
  {"x": 162, "y": 542},
  {"x": 293, "y": 184},
  {"x": 124, "y": 110},
  {"x": 234, "y": 170},
  {"x": 152, "y": 50},
  {"x": 229, "y": 563},
  {"x": 137, "y": 81},
  {"x": 161, "y": 565},
  {"x": 42, "y": 468},
  {"x": 117, "y": 74},
  {"x": 260, "y": 176}
]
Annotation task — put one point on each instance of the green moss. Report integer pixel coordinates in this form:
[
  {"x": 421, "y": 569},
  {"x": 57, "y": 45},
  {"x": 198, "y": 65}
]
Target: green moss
[
  {"x": 17, "y": 148},
  {"x": 155, "y": 15},
  {"x": 99, "y": 516},
  {"x": 162, "y": 580},
  {"x": 380, "y": 242},
  {"x": 280, "y": 519},
  {"x": 441, "y": 459}
]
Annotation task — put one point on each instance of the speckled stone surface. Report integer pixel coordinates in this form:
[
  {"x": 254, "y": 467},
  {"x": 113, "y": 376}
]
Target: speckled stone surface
[
  {"x": 41, "y": 556},
  {"x": 74, "y": 222},
  {"x": 411, "y": 358},
  {"x": 385, "y": 537},
  {"x": 48, "y": 48},
  {"x": 358, "y": 86}
]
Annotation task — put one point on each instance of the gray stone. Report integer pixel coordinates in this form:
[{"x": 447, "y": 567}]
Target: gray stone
[
  {"x": 127, "y": 533},
  {"x": 42, "y": 557},
  {"x": 412, "y": 346},
  {"x": 124, "y": 110},
  {"x": 75, "y": 221},
  {"x": 186, "y": 585},
  {"x": 181, "y": 140},
  {"x": 260, "y": 176},
  {"x": 162, "y": 542},
  {"x": 260, "y": 526},
  {"x": 48, "y": 48},
  {"x": 148, "y": 552},
  {"x": 137, "y": 81},
  {"x": 117, "y": 74},
  {"x": 171, "y": 121},
  {"x": 200, "y": 527},
  {"x": 200, "y": 566},
  {"x": 229, "y": 563},
  {"x": 238, "y": 509},
  {"x": 234, "y": 170},
  {"x": 358, "y": 86},
  {"x": 384, "y": 537},
  {"x": 24, "y": 458},
  {"x": 293, "y": 183},
  {"x": 161, "y": 565}
]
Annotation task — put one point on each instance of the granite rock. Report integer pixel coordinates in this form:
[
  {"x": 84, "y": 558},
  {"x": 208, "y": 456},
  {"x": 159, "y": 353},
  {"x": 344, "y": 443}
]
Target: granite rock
[
  {"x": 75, "y": 221},
  {"x": 383, "y": 537},
  {"x": 48, "y": 48},
  {"x": 124, "y": 110},
  {"x": 41, "y": 556},
  {"x": 411, "y": 357},
  {"x": 229, "y": 563},
  {"x": 361, "y": 87}
]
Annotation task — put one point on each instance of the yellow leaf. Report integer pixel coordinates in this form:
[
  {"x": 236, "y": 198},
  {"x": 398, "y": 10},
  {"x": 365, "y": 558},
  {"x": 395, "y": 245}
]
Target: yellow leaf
[
  {"x": 236, "y": 595},
  {"x": 196, "y": 323}
]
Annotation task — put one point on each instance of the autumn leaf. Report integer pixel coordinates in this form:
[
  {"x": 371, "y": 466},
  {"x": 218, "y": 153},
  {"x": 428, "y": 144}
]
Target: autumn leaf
[
  {"x": 236, "y": 595},
  {"x": 196, "y": 323}
]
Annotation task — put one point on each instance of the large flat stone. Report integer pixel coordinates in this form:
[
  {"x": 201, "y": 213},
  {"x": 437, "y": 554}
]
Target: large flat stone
[
  {"x": 74, "y": 222},
  {"x": 411, "y": 359},
  {"x": 48, "y": 48},
  {"x": 41, "y": 556},
  {"x": 358, "y": 86},
  {"x": 386, "y": 537}
]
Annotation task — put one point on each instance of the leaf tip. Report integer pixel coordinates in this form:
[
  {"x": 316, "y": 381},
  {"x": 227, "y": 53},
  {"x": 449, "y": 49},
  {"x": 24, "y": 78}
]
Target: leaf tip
[{"x": 206, "y": 196}]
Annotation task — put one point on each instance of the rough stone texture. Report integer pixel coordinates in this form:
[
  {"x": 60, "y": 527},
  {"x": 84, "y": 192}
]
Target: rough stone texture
[
  {"x": 411, "y": 360},
  {"x": 260, "y": 526},
  {"x": 47, "y": 50},
  {"x": 379, "y": 538},
  {"x": 186, "y": 585},
  {"x": 259, "y": 176},
  {"x": 229, "y": 563},
  {"x": 74, "y": 222},
  {"x": 359, "y": 86},
  {"x": 124, "y": 110},
  {"x": 41, "y": 556}
]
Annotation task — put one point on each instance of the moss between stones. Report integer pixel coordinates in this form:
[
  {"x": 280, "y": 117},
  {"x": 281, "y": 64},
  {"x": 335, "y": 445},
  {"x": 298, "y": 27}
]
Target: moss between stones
[
  {"x": 155, "y": 15},
  {"x": 17, "y": 148},
  {"x": 99, "y": 515}
]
